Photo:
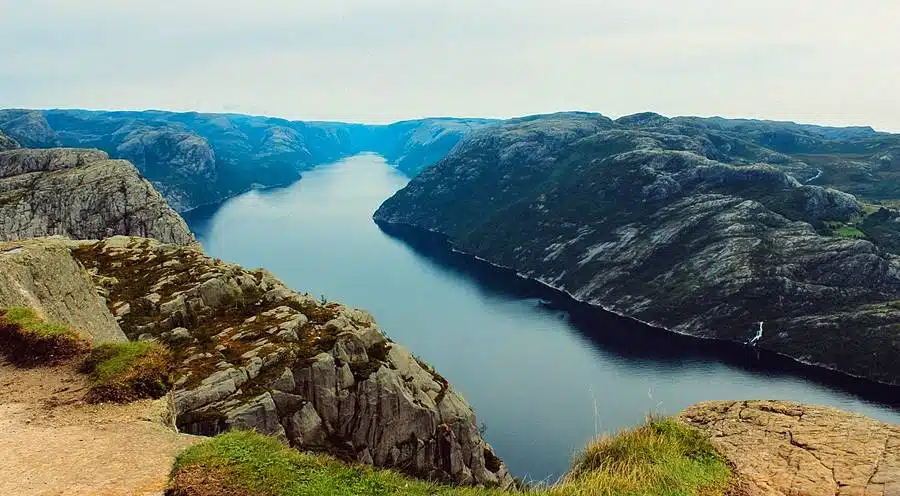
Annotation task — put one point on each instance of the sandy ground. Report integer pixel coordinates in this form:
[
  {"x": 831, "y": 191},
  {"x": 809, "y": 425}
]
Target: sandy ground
[{"x": 51, "y": 443}]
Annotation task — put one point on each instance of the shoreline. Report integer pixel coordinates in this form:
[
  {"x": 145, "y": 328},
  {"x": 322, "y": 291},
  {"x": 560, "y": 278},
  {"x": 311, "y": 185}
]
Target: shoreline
[{"x": 607, "y": 327}]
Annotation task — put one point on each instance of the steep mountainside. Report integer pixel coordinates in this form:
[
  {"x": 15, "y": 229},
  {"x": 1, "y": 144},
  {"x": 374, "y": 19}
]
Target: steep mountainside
[
  {"x": 7, "y": 143},
  {"x": 252, "y": 354},
  {"x": 675, "y": 225},
  {"x": 194, "y": 159},
  {"x": 414, "y": 145},
  {"x": 80, "y": 194}
]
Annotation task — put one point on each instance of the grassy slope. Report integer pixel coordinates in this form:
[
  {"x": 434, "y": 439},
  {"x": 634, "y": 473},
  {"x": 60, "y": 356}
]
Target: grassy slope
[
  {"x": 128, "y": 371},
  {"x": 660, "y": 458},
  {"x": 29, "y": 320},
  {"x": 27, "y": 340}
]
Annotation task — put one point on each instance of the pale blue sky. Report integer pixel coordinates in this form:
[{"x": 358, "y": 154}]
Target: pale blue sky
[{"x": 825, "y": 61}]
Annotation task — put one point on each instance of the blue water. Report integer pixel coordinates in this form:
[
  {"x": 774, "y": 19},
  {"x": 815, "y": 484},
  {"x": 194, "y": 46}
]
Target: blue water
[{"x": 542, "y": 385}]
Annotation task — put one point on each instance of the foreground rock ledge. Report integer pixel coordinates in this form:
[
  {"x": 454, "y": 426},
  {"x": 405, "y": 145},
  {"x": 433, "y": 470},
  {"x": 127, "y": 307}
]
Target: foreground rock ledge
[
  {"x": 253, "y": 354},
  {"x": 786, "y": 449}
]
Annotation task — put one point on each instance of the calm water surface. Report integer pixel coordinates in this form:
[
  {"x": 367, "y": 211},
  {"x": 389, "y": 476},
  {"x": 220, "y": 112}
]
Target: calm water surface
[{"x": 541, "y": 386}]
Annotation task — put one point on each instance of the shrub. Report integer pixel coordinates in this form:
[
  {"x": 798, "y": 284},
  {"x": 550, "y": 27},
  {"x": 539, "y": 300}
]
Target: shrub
[
  {"x": 128, "y": 372},
  {"x": 661, "y": 457},
  {"x": 27, "y": 340}
]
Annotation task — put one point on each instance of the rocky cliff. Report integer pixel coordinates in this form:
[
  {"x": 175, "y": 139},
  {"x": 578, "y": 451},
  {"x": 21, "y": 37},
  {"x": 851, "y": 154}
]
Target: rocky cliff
[
  {"x": 250, "y": 353},
  {"x": 195, "y": 159},
  {"x": 782, "y": 448},
  {"x": 42, "y": 274},
  {"x": 81, "y": 194},
  {"x": 677, "y": 226}
]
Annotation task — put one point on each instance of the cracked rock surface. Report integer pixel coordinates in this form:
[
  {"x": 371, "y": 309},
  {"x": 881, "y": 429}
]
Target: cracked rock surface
[
  {"x": 782, "y": 448},
  {"x": 81, "y": 194}
]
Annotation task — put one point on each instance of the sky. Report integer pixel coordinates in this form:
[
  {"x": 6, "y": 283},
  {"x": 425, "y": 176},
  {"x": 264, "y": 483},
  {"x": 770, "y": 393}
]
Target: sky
[{"x": 833, "y": 62}]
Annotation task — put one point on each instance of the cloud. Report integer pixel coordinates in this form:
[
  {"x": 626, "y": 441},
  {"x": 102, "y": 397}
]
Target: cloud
[{"x": 829, "y": 61}]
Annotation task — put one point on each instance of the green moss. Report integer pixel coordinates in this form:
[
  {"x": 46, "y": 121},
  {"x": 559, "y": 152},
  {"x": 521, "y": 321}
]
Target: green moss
[
  {"x": 31, "y": 322},
  {"x": 128, "y": 372},
  {"x": 844, "y": 230},
  {"x": 27, "y": 340},
  {"x": 849, "y": 232}
]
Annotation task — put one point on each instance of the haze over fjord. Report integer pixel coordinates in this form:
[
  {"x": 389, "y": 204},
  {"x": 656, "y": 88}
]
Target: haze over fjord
[{"x": 357, "y": 60}]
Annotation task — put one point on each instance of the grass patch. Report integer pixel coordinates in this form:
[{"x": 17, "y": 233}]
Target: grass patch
[
  {"x": 660, "y": 458},
  {"x": 128, "y": 372},
  {"x": 248, "y": 464},
  {"x": 844, "y": 230},
  {"x": 27, "y": 340},
  {"x": 849, "y": 232}
]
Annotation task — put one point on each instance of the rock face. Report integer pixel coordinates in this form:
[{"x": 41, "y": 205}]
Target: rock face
[
  {"x": 81, "y": 194},
  {"x": 786, "y": 449},
  {"x": 253, "y": 354},
  {"x": 675, "y": 226},
  {"x": 42, "y": 274},
  {"x": 195, "y": 159}
]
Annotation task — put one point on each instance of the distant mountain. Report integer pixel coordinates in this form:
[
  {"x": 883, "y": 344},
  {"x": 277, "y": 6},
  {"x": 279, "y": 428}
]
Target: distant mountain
[
  {"x": 194, "y": 159},
  {"x": 707, "y": 227}
]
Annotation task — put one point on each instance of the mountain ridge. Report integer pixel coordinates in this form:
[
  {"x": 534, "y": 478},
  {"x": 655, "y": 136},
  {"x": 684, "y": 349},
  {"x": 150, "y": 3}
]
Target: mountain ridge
[
  {"x": 196, "y": 159},
  {"x": 673, "y": 226}
]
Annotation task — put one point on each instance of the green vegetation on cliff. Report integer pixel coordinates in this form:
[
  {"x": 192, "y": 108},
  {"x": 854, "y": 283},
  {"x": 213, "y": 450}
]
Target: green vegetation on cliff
[
  {"x": 661, "y": 458},
  {"x": 27, "y": 340},
  {"x": 128, "y": 371}
]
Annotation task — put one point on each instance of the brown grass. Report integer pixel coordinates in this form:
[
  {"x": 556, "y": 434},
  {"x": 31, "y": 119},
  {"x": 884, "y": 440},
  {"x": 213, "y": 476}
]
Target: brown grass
[{"x": 198, "y": 480}]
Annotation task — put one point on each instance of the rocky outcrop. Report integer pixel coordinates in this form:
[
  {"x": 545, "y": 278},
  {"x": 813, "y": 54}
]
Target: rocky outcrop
[
  {"x": 81, "y": 194},
  {"x": 783, "y": 449},
  {"x": 646, "y": 224},
  {"x": 251, "y": 353},
  {"x": 42, "y": 274}
]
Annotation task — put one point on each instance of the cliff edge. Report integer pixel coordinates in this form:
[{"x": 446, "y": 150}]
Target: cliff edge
[
  {"x": 780, "y": 448},
  {"x": 252, "y": 354},
  {"x": 81, "y": 194}
]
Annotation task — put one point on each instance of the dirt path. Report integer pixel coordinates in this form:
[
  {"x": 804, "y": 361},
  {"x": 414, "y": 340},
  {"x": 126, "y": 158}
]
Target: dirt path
[{"x": 51, "y": 443}]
